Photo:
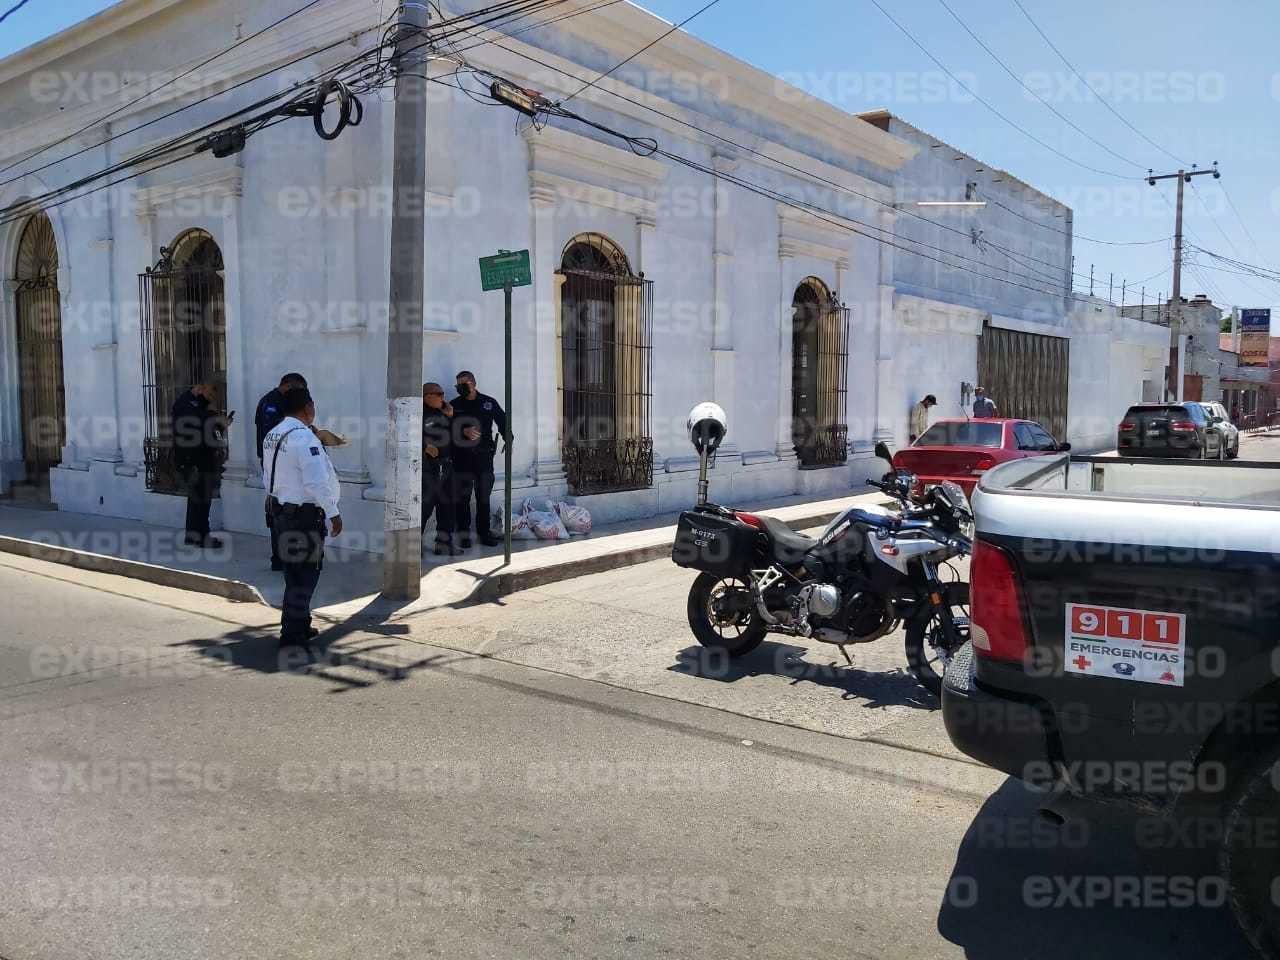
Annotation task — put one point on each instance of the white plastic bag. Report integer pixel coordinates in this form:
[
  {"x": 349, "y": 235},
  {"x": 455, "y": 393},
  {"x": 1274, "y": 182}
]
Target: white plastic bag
[
  {"x": 544, "y": 521},
  {"x": 520, "y": 528},
  {"x": 576, "y": 519}
]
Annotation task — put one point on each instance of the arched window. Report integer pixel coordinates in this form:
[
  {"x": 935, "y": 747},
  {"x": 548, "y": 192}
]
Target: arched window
[
  {"x": 42, "y": 395},
  {"x": 819, "y": 375},
  {"x": 606, "y": 350},
  {"x": 183, "y": 340}
]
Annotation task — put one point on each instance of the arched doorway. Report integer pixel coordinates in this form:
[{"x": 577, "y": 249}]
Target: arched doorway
[
  {"x": 606, "y": 352},
  {"x": 819, "y": 375},
  {"x": 183, "y": 341},
  {"x": 39, "y": 340}
]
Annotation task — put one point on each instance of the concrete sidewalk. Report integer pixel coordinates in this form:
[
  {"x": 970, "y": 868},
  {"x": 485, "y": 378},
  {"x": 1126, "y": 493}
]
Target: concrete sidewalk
[{"x": 240, "y": 569}]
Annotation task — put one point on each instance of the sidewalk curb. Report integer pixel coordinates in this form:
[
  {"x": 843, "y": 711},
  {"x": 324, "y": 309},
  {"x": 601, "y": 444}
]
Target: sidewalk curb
[
  {"x": 503, "y": 584},
  {"x": 236, "y": 590}
]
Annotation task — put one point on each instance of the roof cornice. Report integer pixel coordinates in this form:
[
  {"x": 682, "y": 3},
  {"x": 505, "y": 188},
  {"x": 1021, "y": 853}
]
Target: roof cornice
[{"x": 116, "y": 17}]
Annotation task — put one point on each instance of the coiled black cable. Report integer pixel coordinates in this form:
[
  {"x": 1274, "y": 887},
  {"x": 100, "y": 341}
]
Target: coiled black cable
[{"x": 350, "y": 110}]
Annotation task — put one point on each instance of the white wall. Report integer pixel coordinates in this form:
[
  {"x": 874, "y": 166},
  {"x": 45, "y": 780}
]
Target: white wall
[
  {"x": 304, "y": 232},
  {"x": 1111, "y": 357},
  {"x": 938, "y": 347}
]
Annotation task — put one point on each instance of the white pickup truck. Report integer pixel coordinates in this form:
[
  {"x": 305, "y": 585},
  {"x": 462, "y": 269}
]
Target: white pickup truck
[{"x": 1125, "y": 645}]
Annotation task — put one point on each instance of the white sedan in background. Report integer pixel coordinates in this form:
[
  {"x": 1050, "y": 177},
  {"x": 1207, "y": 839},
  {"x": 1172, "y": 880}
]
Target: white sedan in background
[{"x": 1221, "y": 422}]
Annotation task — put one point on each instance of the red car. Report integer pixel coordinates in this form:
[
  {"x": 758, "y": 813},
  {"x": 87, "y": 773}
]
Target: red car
[{"x": 963, "y": 450}]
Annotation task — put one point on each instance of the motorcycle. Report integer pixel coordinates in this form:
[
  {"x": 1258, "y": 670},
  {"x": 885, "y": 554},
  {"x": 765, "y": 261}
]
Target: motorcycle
[{"x": 871, "y": 570}]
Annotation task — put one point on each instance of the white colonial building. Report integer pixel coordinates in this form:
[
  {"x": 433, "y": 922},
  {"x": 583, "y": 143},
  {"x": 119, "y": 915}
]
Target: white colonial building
[{"x": 655, "y": 284}]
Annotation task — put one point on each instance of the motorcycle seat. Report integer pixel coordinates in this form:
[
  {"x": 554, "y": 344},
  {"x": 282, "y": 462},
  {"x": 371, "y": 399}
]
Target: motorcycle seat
[{"x": 788, "y": 546}]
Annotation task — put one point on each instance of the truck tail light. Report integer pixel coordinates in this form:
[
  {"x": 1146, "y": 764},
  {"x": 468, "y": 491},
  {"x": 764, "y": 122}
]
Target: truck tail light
[
  {"x": 1182, "y": 426},
  {"x": 997, "y": 627},
  {"x": 1128, "y": 426}
]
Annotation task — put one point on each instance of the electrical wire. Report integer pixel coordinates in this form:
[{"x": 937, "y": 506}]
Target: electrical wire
[
  {"x": 1020, "y": 260},
  {"x": 1022, "y": 83},
  {"x": 12, "y": 10},
  {"x": 642, "y": 145},
  {"x": 647, "y": 146},
  {"x": 153, "y": 90},
  {"x": 838, "y": 220},
  {"x": 374, "y": 52},
  {"x": 1039, "y": 275},
  {"x": 1101, "y": 99},
  {"x": 647, "y": 46},
  {"x": 1236, "y": 211},
  {"x": 1251, "y": 268},
  {"x": 782, "y": 163},
  {"x": 1205, "y": 207},
  {"x": 989, "y": 105},
  {"x": 172, "y": 113},
  {"x": 315, "y": 92}
]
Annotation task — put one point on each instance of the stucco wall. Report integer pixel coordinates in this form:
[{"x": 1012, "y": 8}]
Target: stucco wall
[
  {"x": 303, "y": 227},
  {"x": 1011, "y": 257}
]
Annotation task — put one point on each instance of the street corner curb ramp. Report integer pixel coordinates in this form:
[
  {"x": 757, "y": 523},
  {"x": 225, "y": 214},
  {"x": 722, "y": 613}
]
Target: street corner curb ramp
[{"x": 236, "y": 590}]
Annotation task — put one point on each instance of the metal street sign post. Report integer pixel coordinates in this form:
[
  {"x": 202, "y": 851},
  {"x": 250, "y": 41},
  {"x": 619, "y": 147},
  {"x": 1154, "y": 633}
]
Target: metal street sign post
[{"x": 502, "y": 272}]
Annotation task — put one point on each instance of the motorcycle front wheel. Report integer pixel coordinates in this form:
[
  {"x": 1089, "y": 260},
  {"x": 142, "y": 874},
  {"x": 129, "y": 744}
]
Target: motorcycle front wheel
[
  {"x": 929, "y": 648},
  {"x": 722, "y": 614}
]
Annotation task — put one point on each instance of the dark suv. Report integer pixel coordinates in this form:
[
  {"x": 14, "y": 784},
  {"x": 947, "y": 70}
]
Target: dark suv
[{"x": 1169, "y": 430}]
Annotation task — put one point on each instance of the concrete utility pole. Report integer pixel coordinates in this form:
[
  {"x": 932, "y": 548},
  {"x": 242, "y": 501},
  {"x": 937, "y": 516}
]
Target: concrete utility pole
[
  {"x": 402, "y": 558},
  {"x": 1173, "y": 388}
]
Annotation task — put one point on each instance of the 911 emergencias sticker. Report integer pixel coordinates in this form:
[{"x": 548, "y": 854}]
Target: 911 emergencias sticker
[{"x": 1142, "y": 645}]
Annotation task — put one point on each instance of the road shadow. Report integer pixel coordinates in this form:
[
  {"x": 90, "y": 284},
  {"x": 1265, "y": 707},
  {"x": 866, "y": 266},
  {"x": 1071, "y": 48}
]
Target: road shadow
[
  {"x": 353, "y": 653},
  {"x": 1021, "y": 887},
  {"x": 791, "y": 663}
]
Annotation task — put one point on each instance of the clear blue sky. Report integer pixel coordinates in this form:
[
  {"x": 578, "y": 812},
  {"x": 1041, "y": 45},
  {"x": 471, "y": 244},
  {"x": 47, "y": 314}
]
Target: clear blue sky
[{"x": 1201, "y": 80}]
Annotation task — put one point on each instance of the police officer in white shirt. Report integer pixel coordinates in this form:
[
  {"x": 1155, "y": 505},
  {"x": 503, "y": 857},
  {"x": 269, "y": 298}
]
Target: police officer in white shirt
[{"x": 297, "y": 471}]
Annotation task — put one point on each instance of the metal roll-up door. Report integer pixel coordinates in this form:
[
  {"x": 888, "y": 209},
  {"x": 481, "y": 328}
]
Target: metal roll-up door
[{"x": 1026, "y": 375}]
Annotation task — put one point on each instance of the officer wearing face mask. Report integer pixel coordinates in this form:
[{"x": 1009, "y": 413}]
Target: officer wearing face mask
[
  {"x": 475, "y": 415},
  {"x": 437, "y": 467}
]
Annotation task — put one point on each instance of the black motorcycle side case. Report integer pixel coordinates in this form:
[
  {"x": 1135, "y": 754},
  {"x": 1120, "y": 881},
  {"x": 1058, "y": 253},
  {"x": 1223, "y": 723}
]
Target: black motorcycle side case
[{"x": 714, "y": 543}]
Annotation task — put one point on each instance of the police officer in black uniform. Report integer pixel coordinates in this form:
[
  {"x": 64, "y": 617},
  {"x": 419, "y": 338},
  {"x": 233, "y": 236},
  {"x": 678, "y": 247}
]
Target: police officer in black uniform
[
  {"x": 268, "y": 416},
  {"x": 437, "y": 466},
  {"x": 199, "y": 450},
  {"x": 475, "y": 414}
]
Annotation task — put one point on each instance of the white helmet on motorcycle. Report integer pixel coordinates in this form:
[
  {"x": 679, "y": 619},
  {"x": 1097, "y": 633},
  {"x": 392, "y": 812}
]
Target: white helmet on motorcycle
[{"x": 707, "y": 426}]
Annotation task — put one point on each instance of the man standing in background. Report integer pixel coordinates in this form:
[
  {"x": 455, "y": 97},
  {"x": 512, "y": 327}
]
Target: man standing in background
[
  {"x": 199, "y": 450},
  {"x": 267, "y": 417},
  {"x": 437, "y": 466},
  {"x": 920, "y": 416},
  {"x": 983, "y": 407}
]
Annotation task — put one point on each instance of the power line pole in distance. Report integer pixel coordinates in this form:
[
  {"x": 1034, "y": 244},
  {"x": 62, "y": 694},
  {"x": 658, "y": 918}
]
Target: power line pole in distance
[
  {"x": 1173, "y": 388},
  {"x": 402, "y": 557}
]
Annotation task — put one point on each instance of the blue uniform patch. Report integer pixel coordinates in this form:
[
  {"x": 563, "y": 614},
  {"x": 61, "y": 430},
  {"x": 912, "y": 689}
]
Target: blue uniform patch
[{"x": 315, "y": 451}]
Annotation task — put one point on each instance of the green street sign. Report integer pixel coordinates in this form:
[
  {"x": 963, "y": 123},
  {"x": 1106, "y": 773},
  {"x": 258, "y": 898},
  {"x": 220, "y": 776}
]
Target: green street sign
[{"x": 506, "y": 267}]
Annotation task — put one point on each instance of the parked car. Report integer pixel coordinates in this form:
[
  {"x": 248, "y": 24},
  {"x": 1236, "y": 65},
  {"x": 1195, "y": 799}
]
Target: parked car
[
  {"x": 1169, "y": 430},
  {"x": 1222, "y": 423},
  {"x": 1124, "y": 644},
  {"x": 963, "y": 450}
]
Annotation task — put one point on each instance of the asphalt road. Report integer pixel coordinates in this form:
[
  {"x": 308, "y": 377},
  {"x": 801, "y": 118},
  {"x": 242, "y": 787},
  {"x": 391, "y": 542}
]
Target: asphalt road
[{"x": 171, "y": 791}]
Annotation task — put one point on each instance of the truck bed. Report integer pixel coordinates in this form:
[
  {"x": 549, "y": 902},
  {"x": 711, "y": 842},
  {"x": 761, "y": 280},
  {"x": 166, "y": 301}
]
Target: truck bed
[{"x": 1178, "y": 481}]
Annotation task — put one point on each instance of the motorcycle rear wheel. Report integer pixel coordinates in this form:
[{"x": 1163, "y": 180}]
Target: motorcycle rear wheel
[
  {"x": 928, "y": 652},
  {"x": 714, "y": 621}
]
